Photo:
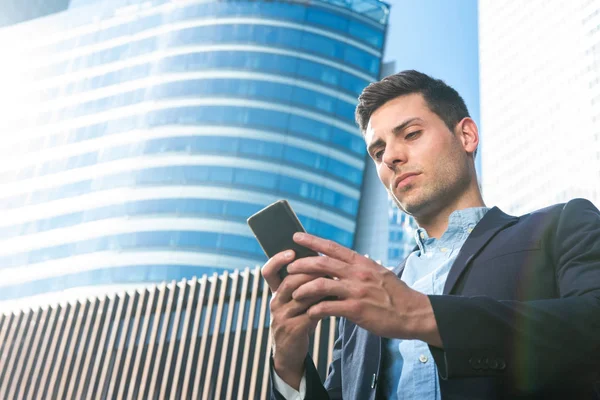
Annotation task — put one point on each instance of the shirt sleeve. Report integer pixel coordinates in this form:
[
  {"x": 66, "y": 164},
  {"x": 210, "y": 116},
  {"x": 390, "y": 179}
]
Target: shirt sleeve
[{"x": 288, "y": 392}]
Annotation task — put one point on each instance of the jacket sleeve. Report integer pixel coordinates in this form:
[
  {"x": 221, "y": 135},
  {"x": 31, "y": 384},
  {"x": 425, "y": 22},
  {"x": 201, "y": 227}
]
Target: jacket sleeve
[
  {"x": 534, "y": 342},
  {"x": 332, "y": 390}
]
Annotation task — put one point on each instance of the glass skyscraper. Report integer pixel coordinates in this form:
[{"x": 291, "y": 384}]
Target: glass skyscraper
[
  {"x": 15, "y": 11},
  {"x": 142, "y": 134}
]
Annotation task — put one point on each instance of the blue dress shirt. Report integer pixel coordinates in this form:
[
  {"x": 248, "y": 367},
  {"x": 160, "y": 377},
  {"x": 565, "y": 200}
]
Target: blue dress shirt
[{"x": 411, "y": 372}]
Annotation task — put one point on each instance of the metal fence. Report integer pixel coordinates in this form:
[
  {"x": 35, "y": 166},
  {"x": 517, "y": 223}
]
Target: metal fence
[{"x": 206, "y": 338}]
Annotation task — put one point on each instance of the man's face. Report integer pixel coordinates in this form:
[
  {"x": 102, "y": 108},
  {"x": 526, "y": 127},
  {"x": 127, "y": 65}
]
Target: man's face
[{"x": 419, "y": 160}]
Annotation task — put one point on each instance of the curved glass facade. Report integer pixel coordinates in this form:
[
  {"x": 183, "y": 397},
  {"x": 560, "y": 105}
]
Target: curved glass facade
[{"x": 158, "y": 127}]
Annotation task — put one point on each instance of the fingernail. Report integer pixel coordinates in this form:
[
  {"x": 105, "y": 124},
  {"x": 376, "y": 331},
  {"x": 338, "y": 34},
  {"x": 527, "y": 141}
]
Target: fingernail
[
  {"x": 299, "y": 235},
  {"x": 289, "y": 254}
]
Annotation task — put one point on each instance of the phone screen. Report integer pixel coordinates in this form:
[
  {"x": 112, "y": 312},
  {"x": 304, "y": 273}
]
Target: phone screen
[{"x": 274, "y": 228}]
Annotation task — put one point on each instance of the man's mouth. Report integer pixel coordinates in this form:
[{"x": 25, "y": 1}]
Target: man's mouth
[{"x": 405, "y": 180}]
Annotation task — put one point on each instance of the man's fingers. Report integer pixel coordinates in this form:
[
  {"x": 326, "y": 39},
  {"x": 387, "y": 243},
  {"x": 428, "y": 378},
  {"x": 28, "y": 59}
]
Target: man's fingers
[
  {"x": 270, "y": 271},
  {"x": 298, "y": 307},
  {"x": 324, "y": 266},
  {"x": 321, "y": 288},
  {"x": 327, "y": 247},
  {"x": 289, "y": 284},
  {"x": 348, "y": 309}
]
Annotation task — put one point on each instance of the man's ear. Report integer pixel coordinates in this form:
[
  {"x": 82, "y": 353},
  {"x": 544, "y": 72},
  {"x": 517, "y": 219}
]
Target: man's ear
[{"x": 468, "y": 134}]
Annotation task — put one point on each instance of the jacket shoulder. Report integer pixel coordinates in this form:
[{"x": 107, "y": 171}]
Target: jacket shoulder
[{"x": 574, "y": 205}]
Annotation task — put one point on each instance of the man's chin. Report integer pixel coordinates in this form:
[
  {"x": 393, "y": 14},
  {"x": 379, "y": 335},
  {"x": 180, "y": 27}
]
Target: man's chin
[
  {"x": 413, "y": 206},
  {"x": 408, "y": 207},
  {"x": 411, "y": 200}
]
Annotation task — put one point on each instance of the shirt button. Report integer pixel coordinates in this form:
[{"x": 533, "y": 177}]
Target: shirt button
[
  {"x": 423, "y": 358},
  {"x": 470, "y": 230},
  {"x": 443, "y": 249},
  {"x": 422, "y": 235}
]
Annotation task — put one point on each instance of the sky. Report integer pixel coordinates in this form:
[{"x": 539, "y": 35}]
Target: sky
[{"x": 439, "y": 38}]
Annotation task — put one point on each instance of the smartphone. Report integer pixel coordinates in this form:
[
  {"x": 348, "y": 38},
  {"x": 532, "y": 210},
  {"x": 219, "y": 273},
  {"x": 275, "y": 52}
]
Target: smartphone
[{"x": 274, "y": 227}]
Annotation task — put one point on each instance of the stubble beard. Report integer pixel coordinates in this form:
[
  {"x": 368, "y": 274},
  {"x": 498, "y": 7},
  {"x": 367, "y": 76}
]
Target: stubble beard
[
  {"x": 415, "y": 204},
  {"x": 431, "y": 199}
]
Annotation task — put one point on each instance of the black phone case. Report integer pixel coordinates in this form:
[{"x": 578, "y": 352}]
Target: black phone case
[{"x": 274, "y": 227}]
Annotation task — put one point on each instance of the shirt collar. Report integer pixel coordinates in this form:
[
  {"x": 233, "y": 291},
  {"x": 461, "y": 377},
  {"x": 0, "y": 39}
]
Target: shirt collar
[{"x": 460, "y": 225}]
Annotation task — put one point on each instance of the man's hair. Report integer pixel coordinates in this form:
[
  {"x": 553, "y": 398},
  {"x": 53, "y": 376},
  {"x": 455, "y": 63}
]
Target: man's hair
[{"x": 441, "y": 99}]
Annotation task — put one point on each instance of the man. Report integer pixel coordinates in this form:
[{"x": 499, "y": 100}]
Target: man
[{"x": 487, "y": 306}]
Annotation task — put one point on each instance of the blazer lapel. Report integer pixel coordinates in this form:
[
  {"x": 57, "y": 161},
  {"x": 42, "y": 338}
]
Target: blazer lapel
[
  {"x": 399, "y": 269},
  {"x": 492, "y": 222}
]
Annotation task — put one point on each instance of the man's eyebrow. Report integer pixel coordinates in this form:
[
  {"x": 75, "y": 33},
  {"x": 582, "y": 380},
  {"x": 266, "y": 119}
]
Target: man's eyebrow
[
  {"x": 375, "y": 144},
  {"x": 405, "y": 124}
]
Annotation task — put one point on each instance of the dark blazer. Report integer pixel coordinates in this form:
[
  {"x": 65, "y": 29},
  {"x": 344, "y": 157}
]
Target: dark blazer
[{"x": 519, "y": 317}]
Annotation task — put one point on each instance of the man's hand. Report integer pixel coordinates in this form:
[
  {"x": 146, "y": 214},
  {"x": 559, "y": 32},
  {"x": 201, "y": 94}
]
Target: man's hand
[
  {"x": 290, "y": 325},
  {"x": 367, "y": 294}
]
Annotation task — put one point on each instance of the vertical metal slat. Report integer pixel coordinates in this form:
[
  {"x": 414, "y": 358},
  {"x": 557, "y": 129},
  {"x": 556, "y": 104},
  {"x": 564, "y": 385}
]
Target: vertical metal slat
[
  {"x": 135, "y": 373},
  {"x": 8, "y": 346},
  {"x": 259, "y": 335},
  {"x": 42, "y": 359},
  {"x": 174, "y": 333},
  {"x": 188, "y": 378},
  {"x": 76, "y": 342},
  {"x": 238, "y": 331},
  {"x": 316, "y": 344},
  {"x": 191, "y": 299},
  {"x": 57, "y": 337},
  {"x": 225, "y": 345},
  {"x": 100, "y": 354},
  {"x": 265, "y": 381},
  {"x": 3, "y": 320},
  {"x": 115, "y": 375},
  {"x": 149, "y": 362},
  {"x": 64, "y": 338},
  {"x": 125, "y": 375},
  {"x": 112, "y": 337},
  {"x": 156, "y": 380},
  {"x": 79, "y": 381},
  {"x": 17, "y": 344},
  {"x": 26, "y": 354},
  {"x": 28, "y": 379},
  {"x": 215, "y": 335},
  {"x": 8, "y": 321},
  {"x": 124, "y": 298},
  {"x": 211, "y": 298},
  {"x": 249, "y": 328}
]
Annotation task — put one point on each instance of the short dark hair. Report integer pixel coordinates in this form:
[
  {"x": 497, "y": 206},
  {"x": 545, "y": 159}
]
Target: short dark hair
[{"x": 441, "y": 99}]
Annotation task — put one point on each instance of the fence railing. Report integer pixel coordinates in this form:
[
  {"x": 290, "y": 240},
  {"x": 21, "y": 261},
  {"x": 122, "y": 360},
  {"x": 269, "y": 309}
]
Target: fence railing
[{"x": 206, "y": 338}]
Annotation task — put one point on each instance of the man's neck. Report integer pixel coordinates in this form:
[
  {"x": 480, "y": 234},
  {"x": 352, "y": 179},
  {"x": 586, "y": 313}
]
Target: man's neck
[{"x": 437, "y": 223}]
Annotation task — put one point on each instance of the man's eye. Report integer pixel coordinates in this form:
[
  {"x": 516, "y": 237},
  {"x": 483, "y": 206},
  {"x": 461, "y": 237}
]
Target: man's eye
[
  {"x": 412, "y": 135},
  {"x": 378, "y": 154}
]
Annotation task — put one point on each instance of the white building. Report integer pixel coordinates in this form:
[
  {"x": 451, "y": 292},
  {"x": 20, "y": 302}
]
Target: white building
[{"x": 540, "y": 102}]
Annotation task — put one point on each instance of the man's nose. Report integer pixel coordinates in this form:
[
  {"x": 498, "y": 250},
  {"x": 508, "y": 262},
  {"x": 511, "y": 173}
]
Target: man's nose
[{"x": 393, "y": 156}]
